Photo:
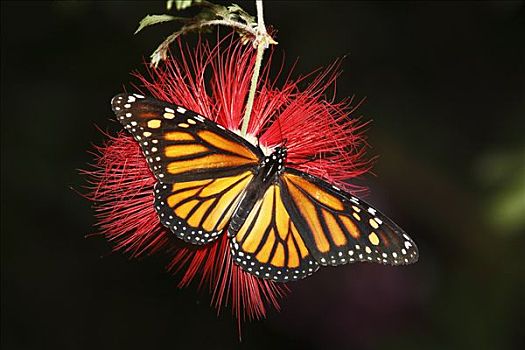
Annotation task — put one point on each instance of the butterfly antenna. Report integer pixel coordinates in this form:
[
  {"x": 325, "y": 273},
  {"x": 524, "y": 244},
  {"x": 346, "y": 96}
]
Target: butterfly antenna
[
  {"x": 283, "y": 140},
  {"x": 306, "y": 161}
]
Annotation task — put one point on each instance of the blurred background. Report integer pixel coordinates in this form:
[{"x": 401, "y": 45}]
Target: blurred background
[{"x": 444, "y": 83}]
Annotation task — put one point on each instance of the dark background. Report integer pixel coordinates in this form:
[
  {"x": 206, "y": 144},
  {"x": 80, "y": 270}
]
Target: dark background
[{"x": 444, "y": 83}]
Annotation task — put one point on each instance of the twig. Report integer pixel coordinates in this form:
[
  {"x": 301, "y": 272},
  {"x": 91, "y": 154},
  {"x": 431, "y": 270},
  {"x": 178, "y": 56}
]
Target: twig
[
  {"x": 262, "y": 41},
  {"x": 161, "y": 52}
]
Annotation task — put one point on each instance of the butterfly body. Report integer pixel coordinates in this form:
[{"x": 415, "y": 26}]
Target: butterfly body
[{"x": 283, "y": 224}]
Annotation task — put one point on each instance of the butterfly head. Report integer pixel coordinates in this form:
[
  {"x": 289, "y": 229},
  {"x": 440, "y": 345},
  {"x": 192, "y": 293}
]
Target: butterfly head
[
  {"x": 280, "y": 152},
  {"x": 274, "y": 163},
  {"x": 278, "y": 157}
]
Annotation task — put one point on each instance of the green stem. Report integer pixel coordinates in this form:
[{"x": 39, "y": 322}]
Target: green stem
[
  {"x": 253, "y": 88},
  {"x": 262, "y": 41}
]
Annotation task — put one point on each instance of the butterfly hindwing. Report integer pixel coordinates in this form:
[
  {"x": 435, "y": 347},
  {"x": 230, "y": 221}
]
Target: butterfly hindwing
[
  {"x": 339, "y": 228},
  {"x": 268, "y": 243},
  {"x": 202, "y": 169},
  {"x": 198, "y": 211}
]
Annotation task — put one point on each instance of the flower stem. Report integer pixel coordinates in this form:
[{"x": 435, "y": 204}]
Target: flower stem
[
  {"x": 253, "y": 87},
  {"x": 262, "y": 41}
]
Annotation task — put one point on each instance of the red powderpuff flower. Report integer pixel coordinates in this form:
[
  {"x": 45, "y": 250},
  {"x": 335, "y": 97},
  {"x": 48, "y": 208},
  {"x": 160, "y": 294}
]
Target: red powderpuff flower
[{"x": 214, "y": 81}]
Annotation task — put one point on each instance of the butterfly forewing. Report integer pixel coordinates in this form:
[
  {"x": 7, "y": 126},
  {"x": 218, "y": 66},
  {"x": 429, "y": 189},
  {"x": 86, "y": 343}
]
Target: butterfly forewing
[
  {"x": 182, "y": 145},
  {"x": 339, "y": 228}
]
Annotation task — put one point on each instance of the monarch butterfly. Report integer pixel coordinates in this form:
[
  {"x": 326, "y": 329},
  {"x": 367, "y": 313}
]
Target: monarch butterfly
[{"x": 282, "y": 223}]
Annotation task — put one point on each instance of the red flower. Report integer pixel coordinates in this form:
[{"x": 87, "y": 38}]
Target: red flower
[{"x": 321, "y": 137}]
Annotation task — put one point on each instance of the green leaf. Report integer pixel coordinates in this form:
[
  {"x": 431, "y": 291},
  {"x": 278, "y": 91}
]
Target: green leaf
[
  {"x": 184, "y": 4},
  {"x": 150, "y": 20},
  {"x": 243, "y": 15},
  {"x": 208, "y": 15},
  {"x": 169, "y": 4}
]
